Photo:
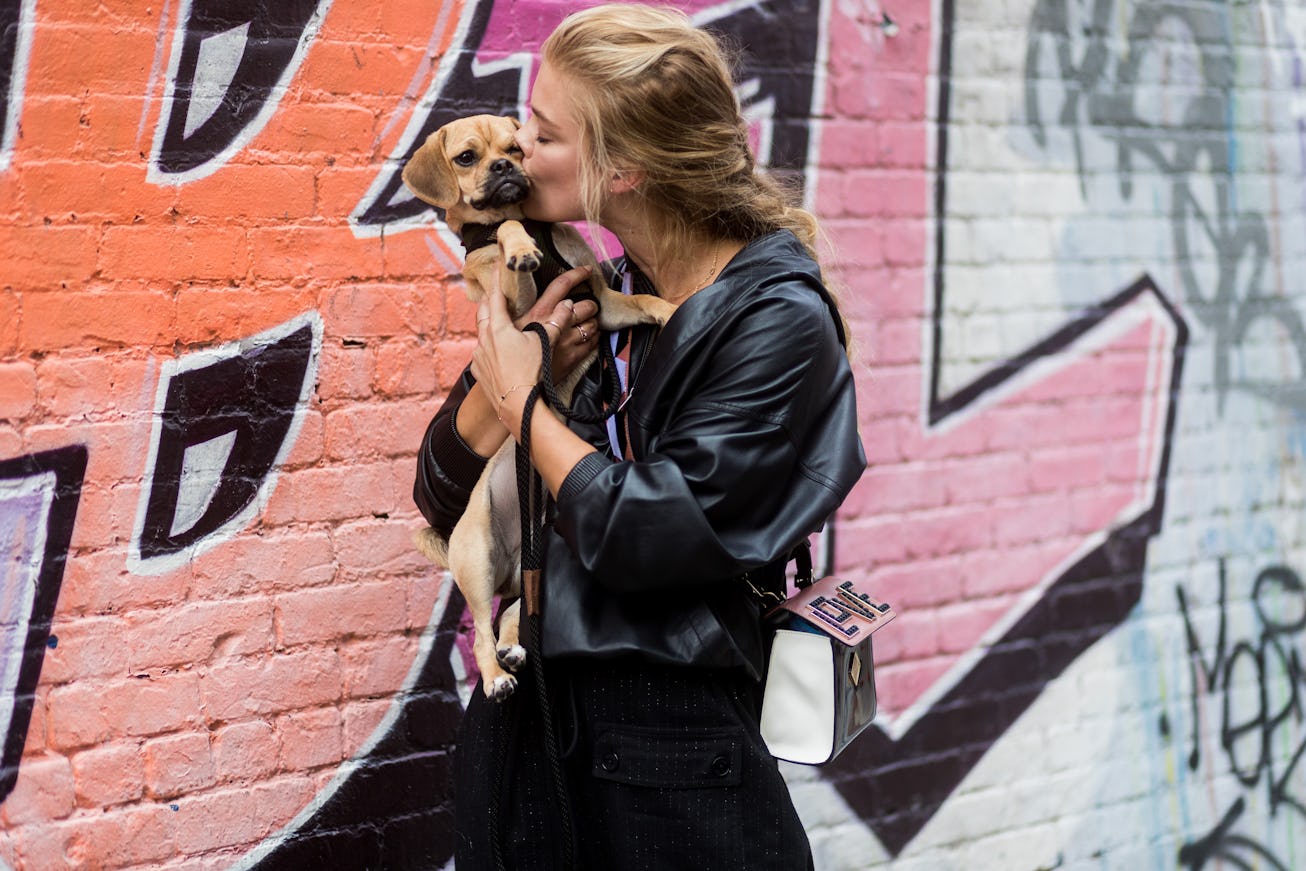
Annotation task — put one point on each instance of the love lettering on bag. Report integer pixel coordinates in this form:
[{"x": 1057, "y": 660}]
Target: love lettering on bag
[{"x": 839, "y": 609}]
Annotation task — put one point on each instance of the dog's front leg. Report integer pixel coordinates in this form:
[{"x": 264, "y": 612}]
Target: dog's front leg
[
  {"x": 520, "y": 252},
  {"x": 518, "y": 259}
]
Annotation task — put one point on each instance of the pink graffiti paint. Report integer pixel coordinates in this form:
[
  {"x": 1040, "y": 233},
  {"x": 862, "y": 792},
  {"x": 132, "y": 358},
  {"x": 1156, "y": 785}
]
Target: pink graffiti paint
[{"x": 963, "y": 522}]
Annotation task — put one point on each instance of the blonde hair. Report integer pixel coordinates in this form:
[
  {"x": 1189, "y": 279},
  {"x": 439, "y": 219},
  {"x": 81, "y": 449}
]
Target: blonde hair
[{"x": 655, "y": 94}]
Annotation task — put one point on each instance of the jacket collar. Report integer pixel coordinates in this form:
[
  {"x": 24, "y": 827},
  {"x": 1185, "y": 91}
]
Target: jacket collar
[{"x": 767, "y": 260}]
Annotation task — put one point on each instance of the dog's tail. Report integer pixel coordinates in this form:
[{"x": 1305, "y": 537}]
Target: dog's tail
[{"x": 432, "y": 545}]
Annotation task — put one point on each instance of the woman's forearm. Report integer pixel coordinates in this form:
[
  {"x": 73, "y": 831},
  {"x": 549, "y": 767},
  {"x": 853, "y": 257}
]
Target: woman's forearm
[
  {"x": 555, "y": 449},
  {"x": 477, "y": 424}
]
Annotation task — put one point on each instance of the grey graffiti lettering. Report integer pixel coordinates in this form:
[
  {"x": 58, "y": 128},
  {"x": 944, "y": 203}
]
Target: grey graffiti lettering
[
  {"x": 1222, "y": 244},
  {"x": 1252, "y": 725}
]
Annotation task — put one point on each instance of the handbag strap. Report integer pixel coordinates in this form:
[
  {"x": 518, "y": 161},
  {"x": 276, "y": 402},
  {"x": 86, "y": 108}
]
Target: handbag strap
[{"x": 801, "y": 556}]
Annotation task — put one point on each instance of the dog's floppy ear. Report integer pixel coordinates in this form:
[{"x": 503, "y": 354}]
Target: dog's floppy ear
[{"x": 429, "y": 174}]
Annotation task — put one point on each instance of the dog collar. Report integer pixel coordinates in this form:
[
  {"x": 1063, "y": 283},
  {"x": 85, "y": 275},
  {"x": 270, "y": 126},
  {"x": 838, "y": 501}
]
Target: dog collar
[{"x": 476, "y": 236}]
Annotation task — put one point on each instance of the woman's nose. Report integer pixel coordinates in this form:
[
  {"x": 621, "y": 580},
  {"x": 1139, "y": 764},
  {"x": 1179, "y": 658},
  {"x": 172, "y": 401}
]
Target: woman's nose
[{"x": 524, "y": 141}]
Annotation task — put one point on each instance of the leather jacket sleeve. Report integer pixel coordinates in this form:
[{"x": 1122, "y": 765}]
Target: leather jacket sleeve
[
  {"x": 713, "y": 496},
  {"x": 447, "y": 469}
]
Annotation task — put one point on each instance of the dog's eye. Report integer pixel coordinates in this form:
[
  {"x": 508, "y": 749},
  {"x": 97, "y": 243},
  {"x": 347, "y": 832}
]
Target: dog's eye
[
  {"x": 513, "y": 149},
  {"x": 467, "y": 158}
]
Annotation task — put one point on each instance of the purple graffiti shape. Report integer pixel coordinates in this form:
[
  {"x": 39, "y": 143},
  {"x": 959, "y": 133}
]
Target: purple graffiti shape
[{"x": 38, "y": 504}]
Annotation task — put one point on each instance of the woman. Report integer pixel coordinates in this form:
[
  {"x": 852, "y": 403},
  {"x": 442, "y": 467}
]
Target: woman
[{"x": 737, "y": 440}]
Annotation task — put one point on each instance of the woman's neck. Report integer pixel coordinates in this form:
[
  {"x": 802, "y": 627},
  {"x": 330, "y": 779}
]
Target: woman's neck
[{"x": 677, "y": 278}]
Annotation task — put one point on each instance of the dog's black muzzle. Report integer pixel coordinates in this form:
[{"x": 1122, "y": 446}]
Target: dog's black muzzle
[{"x": 505, "y": 186}]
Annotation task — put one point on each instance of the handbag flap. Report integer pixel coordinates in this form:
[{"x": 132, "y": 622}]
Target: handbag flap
[{"x": 839, "y": 608}]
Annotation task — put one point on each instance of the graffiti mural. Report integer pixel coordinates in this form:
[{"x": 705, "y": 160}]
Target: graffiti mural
[
  {"x": 1066, "y": 236},
  {"x": 1085, "y": 587},
  {"x": 225, "y": 421},
  {"x": 491, "y": 69},
  {"x": 15, "y": 39},
  {"x": 1081, "y": 76},
  {"x": 38, "y": 506},
  {"x": 1258, "y": 743},
  {"x": 1080, "y": 570},
  {"x": 230, "y": 64},
  {"x": 205, "y": 344}
]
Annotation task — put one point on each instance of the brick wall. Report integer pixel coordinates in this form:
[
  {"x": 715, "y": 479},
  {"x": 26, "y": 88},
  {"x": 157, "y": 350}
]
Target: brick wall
[{"x": 1070, "y": 240}]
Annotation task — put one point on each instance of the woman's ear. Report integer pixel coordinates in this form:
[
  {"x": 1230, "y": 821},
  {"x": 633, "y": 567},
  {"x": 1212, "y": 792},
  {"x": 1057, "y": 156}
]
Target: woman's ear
[{"x": 625, "y": 180}]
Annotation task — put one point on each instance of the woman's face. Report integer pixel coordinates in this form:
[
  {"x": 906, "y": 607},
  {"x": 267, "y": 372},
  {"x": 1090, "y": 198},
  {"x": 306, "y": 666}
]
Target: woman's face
[{"x": 550, "y": 140}]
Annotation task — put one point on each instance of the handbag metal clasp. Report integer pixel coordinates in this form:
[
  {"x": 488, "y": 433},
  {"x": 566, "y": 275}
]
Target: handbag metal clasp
[{"x": 767, "y": 598}]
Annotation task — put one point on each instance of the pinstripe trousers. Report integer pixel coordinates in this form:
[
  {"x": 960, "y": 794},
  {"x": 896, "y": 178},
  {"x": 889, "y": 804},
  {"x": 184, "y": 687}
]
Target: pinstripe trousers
[{"x": 664, "y": 769}]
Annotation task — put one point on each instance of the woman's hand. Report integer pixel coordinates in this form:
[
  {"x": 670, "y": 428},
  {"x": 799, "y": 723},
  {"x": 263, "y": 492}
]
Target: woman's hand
[
  {"x": 507, "y": 361},
  {"x": 573, "y": 329}
]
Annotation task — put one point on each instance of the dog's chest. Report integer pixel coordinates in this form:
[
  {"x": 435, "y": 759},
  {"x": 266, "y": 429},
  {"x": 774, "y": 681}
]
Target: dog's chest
[{"x": 552, "y": 263}]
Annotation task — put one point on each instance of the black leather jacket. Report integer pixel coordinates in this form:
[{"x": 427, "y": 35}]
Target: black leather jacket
[{"x": 743, "y": 425}]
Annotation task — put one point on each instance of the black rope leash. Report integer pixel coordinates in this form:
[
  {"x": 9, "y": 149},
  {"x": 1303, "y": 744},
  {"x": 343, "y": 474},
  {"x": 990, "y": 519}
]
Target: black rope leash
[{"x": 534, "y": 503}]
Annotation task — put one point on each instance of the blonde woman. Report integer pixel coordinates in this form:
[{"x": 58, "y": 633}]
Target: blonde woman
[{"x": 736, "y": 440}]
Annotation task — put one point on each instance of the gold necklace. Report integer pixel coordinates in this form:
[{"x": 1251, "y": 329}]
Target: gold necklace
[{"x": 716, "y": 258}]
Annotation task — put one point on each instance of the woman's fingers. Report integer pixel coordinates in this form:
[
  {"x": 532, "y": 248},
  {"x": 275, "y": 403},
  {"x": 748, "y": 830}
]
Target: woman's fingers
[
  {"x": 585, "y": 331},
  {"x": 504, "y": 356},
  {"x": 497, "y": 309},
  {"x": 503, "y": 351},
  {"x": 564, "y": 284},
  {"x": 546, "y": 308}
]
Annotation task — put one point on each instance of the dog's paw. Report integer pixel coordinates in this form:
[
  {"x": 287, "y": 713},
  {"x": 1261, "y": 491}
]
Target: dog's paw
[
  {"x": 511, "y": 656},
  {"x": 525, "y": 261},
  {"x": 501, "y": 687}
]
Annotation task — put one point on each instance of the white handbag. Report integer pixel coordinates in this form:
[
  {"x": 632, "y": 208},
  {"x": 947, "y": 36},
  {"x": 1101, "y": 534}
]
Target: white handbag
[{"x": 820, "y": 681}]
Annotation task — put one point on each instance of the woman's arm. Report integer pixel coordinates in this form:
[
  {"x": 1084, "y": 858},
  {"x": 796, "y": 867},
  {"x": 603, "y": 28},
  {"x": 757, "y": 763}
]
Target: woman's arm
[
  {"x": 466, "y": 430},
  {"x": 762, "y": 449},
  {"x": 506, "y": 363},
  {"x": 730, "y": 484}
]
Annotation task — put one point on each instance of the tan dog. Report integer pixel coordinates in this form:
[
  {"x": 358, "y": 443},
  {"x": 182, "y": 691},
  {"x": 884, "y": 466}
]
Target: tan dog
[{"x": 472, "y": 169}]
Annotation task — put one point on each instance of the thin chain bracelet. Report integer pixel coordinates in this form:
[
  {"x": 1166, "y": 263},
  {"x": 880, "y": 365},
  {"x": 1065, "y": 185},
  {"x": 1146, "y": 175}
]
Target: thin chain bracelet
[{"x": 498, "y": 412}]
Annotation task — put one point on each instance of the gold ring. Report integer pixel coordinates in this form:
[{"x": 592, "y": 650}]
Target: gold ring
[
  {"x": 556, "y": 324},
  {"x": 584, "y": 336}
]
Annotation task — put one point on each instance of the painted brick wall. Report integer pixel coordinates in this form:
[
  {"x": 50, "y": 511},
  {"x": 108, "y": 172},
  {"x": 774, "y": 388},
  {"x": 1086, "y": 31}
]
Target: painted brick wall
[{"x": 1070, "y": 237}]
